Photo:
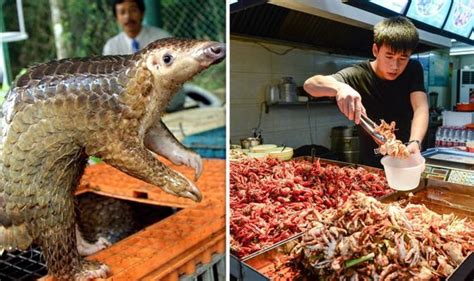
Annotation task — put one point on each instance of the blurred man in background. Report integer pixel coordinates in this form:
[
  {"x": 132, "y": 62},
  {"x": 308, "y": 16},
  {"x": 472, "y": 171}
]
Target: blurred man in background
[{"x": 134, "y": 36}]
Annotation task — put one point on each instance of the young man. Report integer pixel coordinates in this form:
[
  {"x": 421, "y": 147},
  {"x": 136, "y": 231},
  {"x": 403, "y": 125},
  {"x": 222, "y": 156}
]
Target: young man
[
  {"x": 134, "y": 35},
  {"x": 390, "y": 87}
]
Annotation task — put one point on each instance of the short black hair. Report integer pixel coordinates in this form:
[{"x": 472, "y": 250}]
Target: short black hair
[
  {"x": 398, "y": 33},
  {"x": 140, "y": 4}
]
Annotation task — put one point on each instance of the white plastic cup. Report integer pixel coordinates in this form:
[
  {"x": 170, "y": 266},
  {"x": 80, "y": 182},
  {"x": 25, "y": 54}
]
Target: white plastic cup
[{"x": 403, "y": 174}]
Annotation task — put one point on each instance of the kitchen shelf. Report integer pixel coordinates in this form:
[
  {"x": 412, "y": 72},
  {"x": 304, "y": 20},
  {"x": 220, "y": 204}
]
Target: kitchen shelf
[{"x": 298, "y": 103}]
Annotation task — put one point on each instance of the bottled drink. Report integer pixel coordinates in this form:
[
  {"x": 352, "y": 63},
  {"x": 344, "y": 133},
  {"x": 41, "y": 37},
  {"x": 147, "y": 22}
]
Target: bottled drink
[
  {"x": 463, "y": 137},
  {"x": 457, "y": 137},
  {"x": 444, "y": 137},
  {"x": 441, "y": 139},
  {"x": 470, "y": 135},
  {"x": 439, "y": 135},
  {"x": 450, "y": 141}
]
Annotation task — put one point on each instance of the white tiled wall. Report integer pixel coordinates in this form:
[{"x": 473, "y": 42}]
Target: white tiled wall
[{"x": 253, "y": 66}]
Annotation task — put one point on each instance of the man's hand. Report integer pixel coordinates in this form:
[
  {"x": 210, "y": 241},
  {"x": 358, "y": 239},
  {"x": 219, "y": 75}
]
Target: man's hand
[
  {"x": 350, "y": 102},
  {"x": 348, "y": 99},
  {"x": 413, "y": 147}
]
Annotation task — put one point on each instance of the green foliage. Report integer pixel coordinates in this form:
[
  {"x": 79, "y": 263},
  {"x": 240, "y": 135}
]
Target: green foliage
[
  {"x": 88, "y": 25},
  {"x": 3, "y": 93},
  {"x": 39, "y": 47}
]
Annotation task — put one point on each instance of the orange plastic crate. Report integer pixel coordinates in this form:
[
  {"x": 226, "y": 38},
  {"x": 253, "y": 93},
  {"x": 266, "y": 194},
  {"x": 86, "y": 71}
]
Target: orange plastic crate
[{"x": 174, "y": 245}]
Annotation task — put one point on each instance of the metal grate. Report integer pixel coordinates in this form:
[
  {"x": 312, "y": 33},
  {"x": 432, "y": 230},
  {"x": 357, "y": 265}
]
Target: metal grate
[
  {"x": 468, "y": 77},
  {"x": 23, "y": 265},
  {"x": 195, "y": 19}
]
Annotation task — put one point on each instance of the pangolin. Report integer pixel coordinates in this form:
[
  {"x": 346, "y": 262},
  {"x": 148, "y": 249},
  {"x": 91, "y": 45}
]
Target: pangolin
[{"x": 59, "y": 113}]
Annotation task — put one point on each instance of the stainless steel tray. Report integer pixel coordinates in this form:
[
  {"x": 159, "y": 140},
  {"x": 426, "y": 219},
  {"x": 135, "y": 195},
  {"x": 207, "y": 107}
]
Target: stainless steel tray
[
  {"x": 256, "y": 266},
  {"x": 439, "y": 196}
]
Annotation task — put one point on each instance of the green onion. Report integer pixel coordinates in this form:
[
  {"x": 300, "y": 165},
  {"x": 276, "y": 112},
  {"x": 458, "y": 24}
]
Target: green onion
[{"x": 353, "y": 262}]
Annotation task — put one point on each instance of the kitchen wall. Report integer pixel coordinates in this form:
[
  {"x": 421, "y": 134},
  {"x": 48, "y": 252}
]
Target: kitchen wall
[
  {"x": 255, "y": 65},
  {"x": 437, "y": 75}
]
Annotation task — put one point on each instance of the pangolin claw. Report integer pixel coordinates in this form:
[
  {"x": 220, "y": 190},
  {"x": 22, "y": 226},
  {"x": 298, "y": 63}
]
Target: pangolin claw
[
  {"x": 196, "y": 163},
  {"x": 194, "y": 195}
]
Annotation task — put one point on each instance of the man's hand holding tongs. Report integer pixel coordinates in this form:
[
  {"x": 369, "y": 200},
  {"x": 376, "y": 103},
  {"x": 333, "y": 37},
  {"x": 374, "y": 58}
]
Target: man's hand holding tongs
[{"x": 349, "y": 102}]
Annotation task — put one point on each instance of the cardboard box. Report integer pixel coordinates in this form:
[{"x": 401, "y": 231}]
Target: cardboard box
[{"x": 458, "y": 119}]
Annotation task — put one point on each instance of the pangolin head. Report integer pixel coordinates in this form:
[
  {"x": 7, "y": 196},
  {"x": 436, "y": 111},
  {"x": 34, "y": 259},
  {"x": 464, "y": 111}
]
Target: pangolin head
[{"x": 173, "y": 61}]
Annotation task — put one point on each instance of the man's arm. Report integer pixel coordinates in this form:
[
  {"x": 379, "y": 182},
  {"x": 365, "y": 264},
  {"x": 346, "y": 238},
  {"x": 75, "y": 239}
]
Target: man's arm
[
  {"x": 419, "y": 125},
  {"x": 348, "y": 100}
]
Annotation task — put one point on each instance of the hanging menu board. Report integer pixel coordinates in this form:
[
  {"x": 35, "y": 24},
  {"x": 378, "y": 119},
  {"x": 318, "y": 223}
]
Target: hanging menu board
[
  {"x": 398, "y": 6},
  {"x": 461, "y": 18},
  {"x": 429, "y": 12},
  {"x": 450, "y": 18}
]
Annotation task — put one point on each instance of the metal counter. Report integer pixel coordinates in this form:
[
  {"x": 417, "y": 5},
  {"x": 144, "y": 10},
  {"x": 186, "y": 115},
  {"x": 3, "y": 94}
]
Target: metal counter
[{"x": 449, "y": 165}]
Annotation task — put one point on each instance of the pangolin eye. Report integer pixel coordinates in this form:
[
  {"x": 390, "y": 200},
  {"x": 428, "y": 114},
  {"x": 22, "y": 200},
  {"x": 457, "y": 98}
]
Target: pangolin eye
[{"x": 167, "y": 59}]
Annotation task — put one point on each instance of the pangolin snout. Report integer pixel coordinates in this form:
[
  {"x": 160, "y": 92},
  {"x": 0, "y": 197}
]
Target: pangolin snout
[{"x": 215, "y": 52}]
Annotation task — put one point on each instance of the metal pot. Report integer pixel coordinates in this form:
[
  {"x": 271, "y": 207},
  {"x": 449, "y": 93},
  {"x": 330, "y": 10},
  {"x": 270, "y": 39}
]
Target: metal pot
[
  {"x": 250, "y": 142},
  {"x": 351, "y": 156},
  {"x": 341, "y": 144},
  {"x": 344, "y": 138},
  {"x": 288, "y": 89},
  {"x": 272, "y": 94},
  {"x": 344, "y": 131}
]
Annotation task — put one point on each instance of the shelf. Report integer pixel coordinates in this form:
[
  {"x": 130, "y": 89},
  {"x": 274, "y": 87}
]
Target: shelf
[{"x": 298, "y": 103}]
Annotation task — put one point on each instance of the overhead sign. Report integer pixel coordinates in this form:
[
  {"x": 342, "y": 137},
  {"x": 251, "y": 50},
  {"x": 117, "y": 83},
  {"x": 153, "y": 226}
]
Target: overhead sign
[{"x": 450, "y": 18}]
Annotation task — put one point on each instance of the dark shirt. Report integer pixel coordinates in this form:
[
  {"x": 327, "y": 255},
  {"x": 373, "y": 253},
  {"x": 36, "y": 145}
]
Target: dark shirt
[{"x": 383, "y": 99}]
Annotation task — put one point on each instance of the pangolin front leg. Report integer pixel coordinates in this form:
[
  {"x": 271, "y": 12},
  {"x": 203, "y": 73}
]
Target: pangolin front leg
[
  {"x": 160, "y": 140},
  {"x": 136, "y": 160}
]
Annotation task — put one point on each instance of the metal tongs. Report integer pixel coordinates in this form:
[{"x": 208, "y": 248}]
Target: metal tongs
[{"x": 369, "y": 126}]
